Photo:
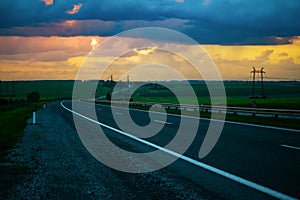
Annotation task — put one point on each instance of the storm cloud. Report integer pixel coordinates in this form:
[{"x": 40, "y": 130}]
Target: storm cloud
[{"x": 209, "y": 22}]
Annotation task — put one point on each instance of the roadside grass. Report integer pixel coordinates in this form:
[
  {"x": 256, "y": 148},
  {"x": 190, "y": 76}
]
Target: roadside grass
[
  {"x": 270, "y": 121},
  {"x": 12, "y": 124},
  {"x": 274, "y": 103},
  {"x": 279, "y": 103}
]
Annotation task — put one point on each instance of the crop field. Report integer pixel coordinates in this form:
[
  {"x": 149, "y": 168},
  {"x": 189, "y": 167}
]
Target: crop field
[
  {"x": 48, "y": 89},
  {"x": 278, "y": 94}
]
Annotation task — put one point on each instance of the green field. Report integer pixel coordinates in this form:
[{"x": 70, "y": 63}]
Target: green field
[
  {"x": 282, "y": 95},
  {"x": 280, "y": 103},
  {"x": 12, "y": 123},
  {"x": 48, "y": 89},
  {"x": 278, "y": 94}
]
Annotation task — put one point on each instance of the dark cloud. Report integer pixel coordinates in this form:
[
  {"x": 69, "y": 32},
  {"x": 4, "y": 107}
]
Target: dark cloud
[{"x": 221, "y": 22}]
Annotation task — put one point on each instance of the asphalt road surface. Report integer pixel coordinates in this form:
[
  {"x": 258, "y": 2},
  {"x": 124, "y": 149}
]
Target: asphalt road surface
[
  {"x": 248, "y": 161},
  {"x": 267, "y": 157},
  {"x": 50, "y": 162}
]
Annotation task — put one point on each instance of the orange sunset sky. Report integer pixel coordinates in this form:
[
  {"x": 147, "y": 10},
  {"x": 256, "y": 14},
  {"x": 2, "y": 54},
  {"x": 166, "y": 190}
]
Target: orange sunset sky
[{"x": 50, "y": 39}]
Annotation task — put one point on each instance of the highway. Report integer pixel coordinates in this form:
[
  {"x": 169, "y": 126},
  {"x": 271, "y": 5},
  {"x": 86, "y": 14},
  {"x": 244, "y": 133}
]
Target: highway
[{"x": 248, "y": 161}]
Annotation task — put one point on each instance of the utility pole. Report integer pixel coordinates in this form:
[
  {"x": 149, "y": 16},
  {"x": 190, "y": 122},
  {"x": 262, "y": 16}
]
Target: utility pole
[
  {"x": 253, "y": 81},
  {"x": 262, "y": 81},
  {"x": 111, "y": 84},
  {"x": 128, "y": 89},
  {"x": 261, "y": 72}
]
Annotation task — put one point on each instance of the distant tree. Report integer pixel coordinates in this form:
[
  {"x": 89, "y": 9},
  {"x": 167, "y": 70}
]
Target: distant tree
[
  {"x": 33, "y": 96},
  {"x": 3, "y": 101},
  {"x": 11, "y": 101}
]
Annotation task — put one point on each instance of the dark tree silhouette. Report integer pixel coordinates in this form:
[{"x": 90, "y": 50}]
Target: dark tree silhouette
[{"x": 33, "y": 96}]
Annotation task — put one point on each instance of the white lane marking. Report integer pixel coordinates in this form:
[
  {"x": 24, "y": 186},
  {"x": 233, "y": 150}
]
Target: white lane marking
[
  {"x": 118, "y": 113},
  {"x": 235, "y": 178},
  {"x": 162, "y": 122},
  {"x": 291, "y": 147}
]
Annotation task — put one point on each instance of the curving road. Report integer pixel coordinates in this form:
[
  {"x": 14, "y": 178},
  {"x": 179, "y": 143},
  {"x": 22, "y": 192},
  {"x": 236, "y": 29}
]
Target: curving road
[
  {"x": 51, "y": 162},
  {"x": 248, "y": 161}
]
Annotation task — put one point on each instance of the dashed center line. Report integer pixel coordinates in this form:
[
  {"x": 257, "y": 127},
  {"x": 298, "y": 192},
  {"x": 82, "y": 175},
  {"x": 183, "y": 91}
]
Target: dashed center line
[
  {"x": 162, "y": 122},
  {"x": 291, "y": 147},
  {"x": 118, "y": 113},
  {"x": 232, "y": 177}
]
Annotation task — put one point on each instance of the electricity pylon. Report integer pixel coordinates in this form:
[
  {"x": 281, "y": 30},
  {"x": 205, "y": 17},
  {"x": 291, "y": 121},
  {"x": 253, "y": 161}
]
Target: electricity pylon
[{"x": 261, "y": 72}]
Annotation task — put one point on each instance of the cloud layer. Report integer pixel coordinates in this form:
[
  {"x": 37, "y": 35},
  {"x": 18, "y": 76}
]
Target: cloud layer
[
  {"x": 213, "y": 22},
  {"x": 61, "y": 57}
]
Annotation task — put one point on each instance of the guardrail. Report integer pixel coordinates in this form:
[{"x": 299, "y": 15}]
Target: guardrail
[{"x": 263, "y": 112}]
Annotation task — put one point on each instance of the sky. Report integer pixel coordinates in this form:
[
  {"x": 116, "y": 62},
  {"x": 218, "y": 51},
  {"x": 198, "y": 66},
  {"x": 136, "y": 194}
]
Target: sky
[{"x": 50, "y": 39}]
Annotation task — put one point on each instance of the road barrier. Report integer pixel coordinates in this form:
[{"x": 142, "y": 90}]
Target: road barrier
[{"x": 261, "y": 112}]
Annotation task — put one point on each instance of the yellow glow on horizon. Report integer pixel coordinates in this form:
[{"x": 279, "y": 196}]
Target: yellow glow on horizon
[
  {"x": 253, "y": 52},
  {"x": 29, "y": 58}
]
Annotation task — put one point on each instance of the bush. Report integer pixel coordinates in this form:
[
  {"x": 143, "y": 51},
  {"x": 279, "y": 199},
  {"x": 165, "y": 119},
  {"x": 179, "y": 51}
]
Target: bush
[
  {"x": 33, "y": 96},
  {"x": 3, "y": 101}
]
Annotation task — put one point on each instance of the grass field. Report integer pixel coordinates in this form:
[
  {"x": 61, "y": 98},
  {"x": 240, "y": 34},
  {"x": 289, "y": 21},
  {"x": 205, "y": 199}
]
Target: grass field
[
  {"x": 12, "y": 124},
  {"x": 280, "y": 103},
  {"x": 48, "y": 89},
  {"x": 279, "y": 94}
]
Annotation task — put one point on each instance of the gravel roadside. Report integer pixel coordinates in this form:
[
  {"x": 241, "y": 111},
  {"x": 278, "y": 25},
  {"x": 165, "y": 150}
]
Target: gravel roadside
[{"x": 50, "y": 162}]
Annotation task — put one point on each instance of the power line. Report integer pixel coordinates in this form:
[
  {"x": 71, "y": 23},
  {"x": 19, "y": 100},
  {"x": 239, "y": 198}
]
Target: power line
[
  {"x": 281, "y": 78},
  {"x": 261, "y": 72}
]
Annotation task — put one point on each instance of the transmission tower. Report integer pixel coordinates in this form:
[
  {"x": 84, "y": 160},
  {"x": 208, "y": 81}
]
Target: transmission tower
[{"x": 253, "y": 73}]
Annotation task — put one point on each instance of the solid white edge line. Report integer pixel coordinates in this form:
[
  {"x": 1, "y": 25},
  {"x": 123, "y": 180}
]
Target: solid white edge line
[
  {"x": 291, "y": 147},
  {"x": 235, "y": 178},
  {"x": 208, "y": 119}
]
